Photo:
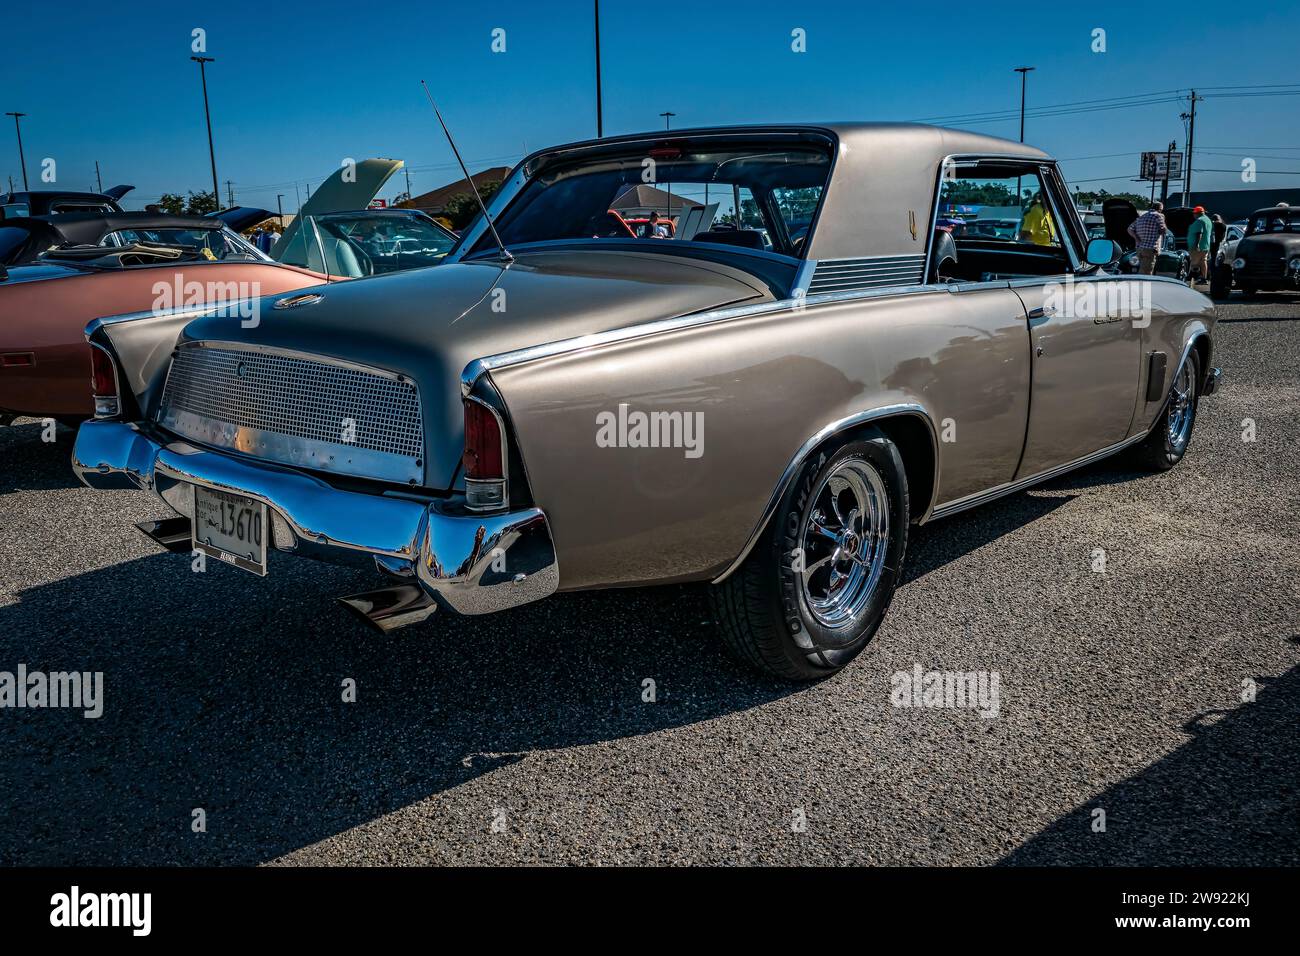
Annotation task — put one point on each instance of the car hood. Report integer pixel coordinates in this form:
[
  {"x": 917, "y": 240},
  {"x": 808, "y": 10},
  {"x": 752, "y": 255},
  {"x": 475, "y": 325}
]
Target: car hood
[
  {"x": 1269, "y": 244},
  {"x": 429, "y": 324}
]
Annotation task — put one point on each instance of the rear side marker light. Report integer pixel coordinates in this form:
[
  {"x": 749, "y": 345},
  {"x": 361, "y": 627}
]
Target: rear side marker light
[{"x": 17, "y": 360}]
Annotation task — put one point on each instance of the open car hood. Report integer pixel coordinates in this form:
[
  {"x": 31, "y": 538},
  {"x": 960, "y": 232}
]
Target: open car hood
[
  {"x": 239, "y": 218},
  {"x": 349, "y": 188}
]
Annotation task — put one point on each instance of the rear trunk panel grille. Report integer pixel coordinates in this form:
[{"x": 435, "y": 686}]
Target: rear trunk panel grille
[{"x": 296, "y": 410}]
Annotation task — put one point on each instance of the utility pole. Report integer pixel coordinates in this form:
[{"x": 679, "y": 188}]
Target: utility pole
[
  {"x": 231, "y": 194},
  {"x": 19, "y": 130},
  {"x": 600, "y": 121},
  {"x": 99, "y": 183},
  {"x": 1191, "y": 140},
  {"x": 1024, "y": 72},
  {"x": 207, "y": 115},
  {"x": 407, "y": 170},
  {"x": 279, "y": 208}
]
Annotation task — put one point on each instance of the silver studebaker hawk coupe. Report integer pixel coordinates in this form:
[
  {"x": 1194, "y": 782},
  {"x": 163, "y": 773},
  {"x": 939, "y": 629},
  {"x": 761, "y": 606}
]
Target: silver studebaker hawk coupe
[{"x": 764, "y": 397}]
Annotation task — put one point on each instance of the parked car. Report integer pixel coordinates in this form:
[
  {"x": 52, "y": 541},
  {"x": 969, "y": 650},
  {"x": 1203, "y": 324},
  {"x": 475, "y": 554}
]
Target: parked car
[
  {"x": 557, "y": 412},
  {"x": 52, "y": 202},
  {"x": 1172, "y": 260},
  {"x": 1266, "y": 257},
  {"x": 116, "y": 263},
  {"x": 1221, "y": 270},
  {"x": 106, "y": 263}
]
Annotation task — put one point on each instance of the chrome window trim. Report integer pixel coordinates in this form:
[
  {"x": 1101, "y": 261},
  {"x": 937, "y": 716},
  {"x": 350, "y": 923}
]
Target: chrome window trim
[
  {"x": 973, "y": 159},
  {"x": 807, "y": 448}
]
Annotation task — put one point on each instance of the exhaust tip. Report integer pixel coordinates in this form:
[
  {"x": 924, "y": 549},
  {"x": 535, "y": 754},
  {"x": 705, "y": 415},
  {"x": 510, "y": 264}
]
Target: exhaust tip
[
  {"x": 172, "y": 534},
  {"x": 390, "y": 608}
]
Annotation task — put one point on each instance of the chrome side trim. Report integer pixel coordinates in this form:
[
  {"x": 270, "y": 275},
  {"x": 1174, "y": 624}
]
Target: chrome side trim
[
  {"x": 983, "y": 497},
  {"x": 807, "y": 448},
  {"x": 489, "y": 363}
]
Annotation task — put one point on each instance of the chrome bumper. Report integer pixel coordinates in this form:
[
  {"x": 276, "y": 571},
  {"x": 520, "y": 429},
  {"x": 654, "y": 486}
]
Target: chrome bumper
[{"x": 472, "y": 564}]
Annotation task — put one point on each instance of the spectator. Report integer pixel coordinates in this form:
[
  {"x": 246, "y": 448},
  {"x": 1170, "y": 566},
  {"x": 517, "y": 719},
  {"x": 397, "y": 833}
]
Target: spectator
[
  {"x": 1220, "y": 231},
  {"x": 1199, "y": 235},
  {"x": 1149, "y": 232},
  {"x": 656, "y": 229},
  {"x": 1037, "y": 226}
]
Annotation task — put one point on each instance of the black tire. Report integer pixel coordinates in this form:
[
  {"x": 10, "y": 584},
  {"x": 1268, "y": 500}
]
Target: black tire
[
  {"x": 1221, "y": 282},
  {"x": 763, "y": 609},
  {"x": 1159, "y": 451}
]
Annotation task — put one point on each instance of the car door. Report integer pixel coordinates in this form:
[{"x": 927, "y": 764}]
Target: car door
[{"x": 1085, "y": 330}]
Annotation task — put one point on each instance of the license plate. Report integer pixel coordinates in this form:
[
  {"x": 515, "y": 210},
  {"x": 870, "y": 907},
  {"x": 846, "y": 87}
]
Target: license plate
[{"x": 231, "y": 528}]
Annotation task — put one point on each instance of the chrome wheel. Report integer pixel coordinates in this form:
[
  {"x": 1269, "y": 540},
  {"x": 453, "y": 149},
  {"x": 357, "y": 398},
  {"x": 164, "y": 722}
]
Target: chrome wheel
[
  {"x": 1181, "y": 407},
  {"x": 843, "y": 539}
]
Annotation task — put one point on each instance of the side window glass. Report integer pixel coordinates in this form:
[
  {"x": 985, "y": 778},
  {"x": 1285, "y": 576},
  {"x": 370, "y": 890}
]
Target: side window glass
[{"x": 1001, "y": 222}]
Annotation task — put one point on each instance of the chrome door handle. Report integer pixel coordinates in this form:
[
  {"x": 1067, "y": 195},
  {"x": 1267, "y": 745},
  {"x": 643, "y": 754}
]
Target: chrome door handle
[{"x": 1042, "y": 312}]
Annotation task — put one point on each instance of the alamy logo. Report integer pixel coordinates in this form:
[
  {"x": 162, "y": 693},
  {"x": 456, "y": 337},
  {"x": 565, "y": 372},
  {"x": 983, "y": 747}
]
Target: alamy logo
[
  {"x": 638, "y": 429},
  {"x": 976, "y": 690},
  {"x": 74, "y": 908},
  {"x": 70, "y": 689},
  {"x": 1102, "y": 301}
]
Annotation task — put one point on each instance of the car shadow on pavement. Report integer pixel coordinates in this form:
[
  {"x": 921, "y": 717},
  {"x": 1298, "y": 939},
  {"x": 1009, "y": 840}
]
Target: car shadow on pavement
[
  {"x": 1230, "y": 796},
  {"x": 930, "y": 547},
  {"x": 226, "y": 694},
  {"x": 27, "y": 463}
]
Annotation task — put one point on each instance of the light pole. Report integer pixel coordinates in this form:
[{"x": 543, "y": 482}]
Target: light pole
[
  {"x": 21, "y": 159},
  {"x": 207, "y": 115},
  {"x": 668, "y": 119},
  {"x": 279, "y": 208},
  {"x": 1024, "y": 72},
  {"x": 600, "y": 120}
]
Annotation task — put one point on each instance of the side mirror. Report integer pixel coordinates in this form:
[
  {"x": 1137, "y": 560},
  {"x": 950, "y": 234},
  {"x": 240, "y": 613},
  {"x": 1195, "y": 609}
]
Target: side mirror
[{"x": 1103, "y": 252}]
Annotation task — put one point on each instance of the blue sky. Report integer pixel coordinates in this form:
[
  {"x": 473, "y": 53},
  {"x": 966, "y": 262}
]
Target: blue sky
[{"x": 297, "y": 87}]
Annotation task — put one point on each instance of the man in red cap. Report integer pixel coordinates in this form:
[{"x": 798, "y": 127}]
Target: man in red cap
[{"x": 1199, "y": 235}]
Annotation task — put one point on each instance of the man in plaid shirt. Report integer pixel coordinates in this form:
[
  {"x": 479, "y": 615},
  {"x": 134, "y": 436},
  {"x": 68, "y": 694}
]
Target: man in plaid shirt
[{"x": 1149, "y": 231}]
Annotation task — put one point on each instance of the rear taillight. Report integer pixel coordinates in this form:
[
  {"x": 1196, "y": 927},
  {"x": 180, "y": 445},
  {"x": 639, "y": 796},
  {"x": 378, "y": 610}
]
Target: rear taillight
[
  {"x": 103, "y": 383},
  {"x": 484, "y": 458}
]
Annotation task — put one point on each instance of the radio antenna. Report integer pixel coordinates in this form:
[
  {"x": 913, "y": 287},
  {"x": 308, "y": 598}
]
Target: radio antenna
[{"x": 492, "y": 228}]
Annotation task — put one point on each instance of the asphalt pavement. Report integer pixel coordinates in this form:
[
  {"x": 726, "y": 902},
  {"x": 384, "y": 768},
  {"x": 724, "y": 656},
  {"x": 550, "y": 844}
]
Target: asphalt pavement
[{"x": 1125, "y": 730}]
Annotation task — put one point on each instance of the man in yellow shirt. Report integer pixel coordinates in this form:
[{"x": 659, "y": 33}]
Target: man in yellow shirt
[{"x": 1037, "y": 225}]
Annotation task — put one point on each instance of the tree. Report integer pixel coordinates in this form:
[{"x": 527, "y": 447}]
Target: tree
[
  {"x": 461, "y": 208},
  {"x": 200, "y": 204},
  {"x": 172, "y": 203}
]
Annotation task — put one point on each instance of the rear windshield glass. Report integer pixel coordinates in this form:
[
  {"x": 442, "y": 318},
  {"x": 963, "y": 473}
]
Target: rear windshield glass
[{"x": 755, "y": 198}]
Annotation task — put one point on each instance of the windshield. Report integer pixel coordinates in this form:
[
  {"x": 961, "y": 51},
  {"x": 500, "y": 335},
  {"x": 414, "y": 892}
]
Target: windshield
[
  {"x": 1279, "y": 220},
  {"x": 392, "y": 243},
  {"x": 217, "y": 244},
  {"x": 758, "y": 198}
]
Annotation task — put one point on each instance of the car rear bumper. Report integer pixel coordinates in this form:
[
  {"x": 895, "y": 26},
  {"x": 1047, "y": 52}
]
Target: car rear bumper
[{"x": 469, "y": 563}]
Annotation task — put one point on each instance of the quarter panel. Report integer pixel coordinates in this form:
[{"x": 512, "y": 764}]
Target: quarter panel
[{"x": 761, "y": 386}]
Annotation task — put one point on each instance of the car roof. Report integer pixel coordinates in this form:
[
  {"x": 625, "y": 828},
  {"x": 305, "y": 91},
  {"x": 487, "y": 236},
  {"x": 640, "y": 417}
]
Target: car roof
[{"x": 884, "y": 173}]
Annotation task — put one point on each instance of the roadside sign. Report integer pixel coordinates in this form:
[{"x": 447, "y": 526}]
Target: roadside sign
[
  {"x": 378, "y": 204},
  {"x": 1154, "y": 165}
]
